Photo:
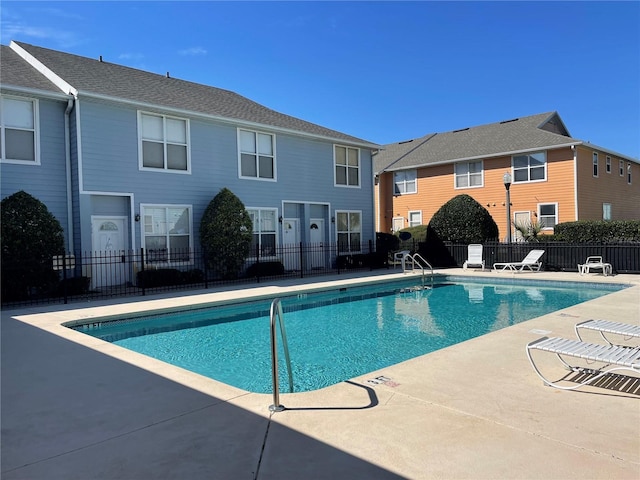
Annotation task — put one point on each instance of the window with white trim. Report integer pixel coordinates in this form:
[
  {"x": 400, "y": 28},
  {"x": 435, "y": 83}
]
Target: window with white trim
[
  {"x": 397, "y": 224},
  {"x": 163, "y": 143},
  {"x": 404, "y": 182},
  {"x": 18, "y": 130},
  {"x": 347, "y": 166},
  {"x": 629, "y": 173},
  {"x": 264, "y": 231},
  {"x": 166, "y": 233},
  {"x": 606, "y": 211},
  {"x": 608, "y": 164},
  {"x": 257, "y": 155},
  {"x": 530, "y": 167},
  {"x": 621, "y": 167},
  {"x": 468, "y": 174},
  {"x": 548, "y": 215},
  {"x": 595, "y": 164},
  {"x": 415, "y": 218},
  {"x": 349, "y": 231}
]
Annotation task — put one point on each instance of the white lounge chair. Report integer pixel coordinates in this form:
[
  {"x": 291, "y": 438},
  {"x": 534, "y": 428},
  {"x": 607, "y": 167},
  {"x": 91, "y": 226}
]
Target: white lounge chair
[
  {"x": 597, "y": 263},
  {"x": 625, "y": 330},
  {"x": 612, "y": 357},
  {"x": 531, "y": 262},
  {"x": 474, "y": 256}
]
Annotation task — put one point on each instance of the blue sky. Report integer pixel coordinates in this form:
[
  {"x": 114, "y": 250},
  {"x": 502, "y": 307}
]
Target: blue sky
[{"x": 381, "y": 71}]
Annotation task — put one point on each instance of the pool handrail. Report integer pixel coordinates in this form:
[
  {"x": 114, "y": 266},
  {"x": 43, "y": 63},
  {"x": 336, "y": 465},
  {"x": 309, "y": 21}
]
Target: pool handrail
[
  {"x": 415, "y": 259},
  {"x": 276, "y": 311}
]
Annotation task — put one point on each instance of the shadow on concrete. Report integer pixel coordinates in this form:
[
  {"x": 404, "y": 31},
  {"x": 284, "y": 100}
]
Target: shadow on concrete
[{"x": 69, "y": 412}]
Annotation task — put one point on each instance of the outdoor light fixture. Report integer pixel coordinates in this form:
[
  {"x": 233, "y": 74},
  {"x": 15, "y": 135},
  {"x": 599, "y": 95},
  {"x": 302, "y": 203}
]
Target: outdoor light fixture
[
  {"x": 280, "y": 219},
  {"x": 506, "y": 179},
  {"x": 333, "y": 219},
  {"x": 137, "y": 217}
]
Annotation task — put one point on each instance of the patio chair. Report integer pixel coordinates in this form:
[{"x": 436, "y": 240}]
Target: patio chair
[
  {"x": 530, "y": 262},
  {"x": 597, "y": 263},
  {"x": 474, "y": 256},
  {"x": 400, "y": 257},
  {"x": 612, "y": 358},
  {"x": 624, "y": 330}
]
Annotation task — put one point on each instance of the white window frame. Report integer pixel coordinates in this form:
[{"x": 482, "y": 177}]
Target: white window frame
[
  {"x": 621, "y": 167},
  {"x": 395, "y": 221},
  {"x": 608, "y": 164},
  {"x": 405, "y": 182},
  {"x": 629, "y": 173},
  {"x": 148, "y": 229},
  {"x": 606, "y": 211},
  {"x": 528, "y": 168},
  {"x": 259, "y": 221},
  {"x": 595, "y": 165},
  {"x": 257, "y": 154},
  {"x": 165, "y": 143},
  {"x": 346, "y": 166},
  {"x": 414, "y": 222},
  {"x": 468, "y": 175},
  {"x": 555, "y": 216},
  {"x": 349, "y": 231},
  {"x": 35, "y": 109}
]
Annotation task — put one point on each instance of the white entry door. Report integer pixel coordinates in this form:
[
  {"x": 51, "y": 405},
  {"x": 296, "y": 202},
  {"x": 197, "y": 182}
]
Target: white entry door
[
  {"x": 317, "y": 241},
  {"x": 109, "y": 265},
  {"x": 291, "y": 243},
  {"x": 520, "y": 218}
]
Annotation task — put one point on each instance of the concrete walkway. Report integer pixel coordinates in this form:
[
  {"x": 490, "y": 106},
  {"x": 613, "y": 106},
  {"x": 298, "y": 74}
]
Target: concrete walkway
[{"x": 74, "y": 407}]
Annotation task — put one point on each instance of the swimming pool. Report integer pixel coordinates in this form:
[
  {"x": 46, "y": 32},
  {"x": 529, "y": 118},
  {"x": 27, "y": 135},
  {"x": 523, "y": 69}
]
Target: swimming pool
[{"x": 338, "y": 334}]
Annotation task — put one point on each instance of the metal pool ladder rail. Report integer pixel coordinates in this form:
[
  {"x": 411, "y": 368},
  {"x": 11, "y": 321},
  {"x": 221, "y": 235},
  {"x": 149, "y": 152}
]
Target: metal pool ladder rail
[
  {"x": 416, "y": 258},
  {"x": 276, "y": 311}
]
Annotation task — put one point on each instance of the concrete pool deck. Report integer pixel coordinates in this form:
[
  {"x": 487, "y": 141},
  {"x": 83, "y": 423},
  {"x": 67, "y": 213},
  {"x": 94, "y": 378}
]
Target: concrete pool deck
[{"x": 74, "y": 407}]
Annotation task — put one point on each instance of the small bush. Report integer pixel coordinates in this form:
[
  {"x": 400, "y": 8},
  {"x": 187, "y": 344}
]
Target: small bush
[
  {"x": 74, "y": 286},
  {"x": 30, "y": 237},
  {"x": 159, "y": 278},
  {"x": 418, "y": 233},
  {"x": 265, "y": 269},
  {"x": 226, "y": 227}
]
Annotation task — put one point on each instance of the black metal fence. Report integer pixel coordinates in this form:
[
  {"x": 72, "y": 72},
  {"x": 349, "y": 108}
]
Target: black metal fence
[
  {"x": 100, "y": 275},
  {"x": 623, "y": 257}
]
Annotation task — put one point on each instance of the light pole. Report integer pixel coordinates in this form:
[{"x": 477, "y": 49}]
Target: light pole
[{"x": 506, "y": 178}]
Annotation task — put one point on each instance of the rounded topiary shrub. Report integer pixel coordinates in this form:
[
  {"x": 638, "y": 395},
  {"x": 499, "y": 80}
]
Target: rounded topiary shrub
[
  {"x": 31, "y": 236},
  {"x": 226, "y": 231},
  {"x": 463, "y": 220}
]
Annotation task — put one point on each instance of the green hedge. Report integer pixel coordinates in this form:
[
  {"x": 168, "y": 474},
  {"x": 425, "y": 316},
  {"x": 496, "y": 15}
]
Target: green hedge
[
  {"x": 597, "y": 231},
  {"x": 164, "y": 277},
  {"x": 265, "y": 269}
]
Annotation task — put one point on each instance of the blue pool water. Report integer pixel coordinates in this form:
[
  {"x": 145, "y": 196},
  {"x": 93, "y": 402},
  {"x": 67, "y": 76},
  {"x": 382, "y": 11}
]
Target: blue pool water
[{"x": 339, "y": 334}]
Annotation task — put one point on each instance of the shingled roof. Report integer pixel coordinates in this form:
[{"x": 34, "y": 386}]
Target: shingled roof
[
  {"x": 19, "y": 74},
  {"x": 542, "y": 131},
  {"x": 98, "y": 78}
]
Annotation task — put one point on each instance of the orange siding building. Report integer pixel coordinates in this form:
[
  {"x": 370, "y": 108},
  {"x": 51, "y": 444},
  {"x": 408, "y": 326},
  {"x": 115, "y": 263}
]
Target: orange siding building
[{"x": 555, "y": 178}]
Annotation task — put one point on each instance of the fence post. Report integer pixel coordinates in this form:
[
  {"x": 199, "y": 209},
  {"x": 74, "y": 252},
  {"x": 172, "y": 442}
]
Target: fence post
[
  {"x": 258, "y": 262},
  {"x": 205, "y": 267},
  {"x": 64, "y": 277},
  {"x": 301, "y": 261},
  {"x": 142, "y": 270}
]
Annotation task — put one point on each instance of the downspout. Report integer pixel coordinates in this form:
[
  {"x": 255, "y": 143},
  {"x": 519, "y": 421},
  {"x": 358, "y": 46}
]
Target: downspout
[{"x": 67, "y": 154}]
